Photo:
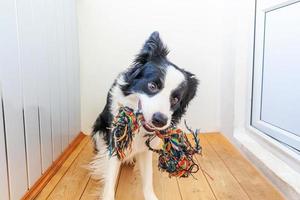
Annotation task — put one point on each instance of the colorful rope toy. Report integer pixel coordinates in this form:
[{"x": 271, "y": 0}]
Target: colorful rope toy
[
  {"x": 176, "y": 154},
  {"x": 124, "y": 126}
]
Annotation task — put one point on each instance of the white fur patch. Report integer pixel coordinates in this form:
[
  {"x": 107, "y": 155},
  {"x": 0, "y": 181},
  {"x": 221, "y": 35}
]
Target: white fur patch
[
  {"x": 119, "y": 98},
  {"x": 99, "y": 162}
]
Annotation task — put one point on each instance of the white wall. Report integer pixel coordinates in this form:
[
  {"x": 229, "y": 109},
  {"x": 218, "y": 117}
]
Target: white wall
[
  {"x": 237, "y": 28},
  {"x": 227, "y": 66},
  {"x": 112, "y": 32}
]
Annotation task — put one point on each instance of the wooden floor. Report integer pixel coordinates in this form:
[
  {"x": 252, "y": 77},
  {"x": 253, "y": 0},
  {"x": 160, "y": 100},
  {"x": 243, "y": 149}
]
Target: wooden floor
[{"x": 229, "y": 176}]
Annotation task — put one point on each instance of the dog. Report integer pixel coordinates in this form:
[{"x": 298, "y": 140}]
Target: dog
[{"x": 162, "y": 91}]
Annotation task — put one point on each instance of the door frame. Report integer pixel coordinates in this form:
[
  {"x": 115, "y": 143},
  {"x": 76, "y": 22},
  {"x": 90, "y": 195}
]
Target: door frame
[{"x": 262, "y": 8}]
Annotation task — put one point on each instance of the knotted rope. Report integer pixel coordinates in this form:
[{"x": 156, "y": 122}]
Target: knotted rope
[{"x": 176, "y": 154}]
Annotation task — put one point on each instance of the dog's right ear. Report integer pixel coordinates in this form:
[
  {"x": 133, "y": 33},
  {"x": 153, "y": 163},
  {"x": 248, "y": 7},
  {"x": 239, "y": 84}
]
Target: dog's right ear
[
  {"x": 133, "y": 72},
  {"x": 130, "y": 76},
  {"x": 152, "y": 48}
]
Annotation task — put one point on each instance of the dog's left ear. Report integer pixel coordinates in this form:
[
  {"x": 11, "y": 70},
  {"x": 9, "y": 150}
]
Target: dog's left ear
[
  {"x": 152, "y": 48},
  {"x": 192, "y": 85}
]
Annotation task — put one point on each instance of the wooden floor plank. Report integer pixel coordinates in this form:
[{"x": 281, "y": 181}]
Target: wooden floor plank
[
  {"x": 61, "y": 172},
  {"x": 224, "y": 185},
  {"x": 73, "y": 183},
  {"x": 165, "y": 188},
  {"x": 129, "y": 186},
  {"x": 233, "y": 177},
  {"x": 255, "y": 185},
  {"x": 196, "y": 189},
  {"x": 92, "y": 191}
]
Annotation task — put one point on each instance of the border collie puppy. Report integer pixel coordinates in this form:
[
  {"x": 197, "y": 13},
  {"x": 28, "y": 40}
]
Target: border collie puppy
[{"x": 162, "y": 91}]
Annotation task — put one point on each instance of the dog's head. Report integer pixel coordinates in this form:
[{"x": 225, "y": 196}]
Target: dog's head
[{"x": 164, "y": 90}]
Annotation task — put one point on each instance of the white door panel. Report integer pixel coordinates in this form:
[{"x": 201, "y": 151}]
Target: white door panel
[
  {"x": 75, "y": 68},
  {"x": 70, "y": 66},
  {"x": 276, "y": 88},
  {"x": 12, "y": 99},
  {"x": 63, "y": 64},
  {"x": 43, "y": 70},
  {"x": 28, "y": 63},
  {"x": 4, "y": 192},
  {"x": 53, "y": 21},
  {"x": 39, "y": 89},
  {"x": 281, "y": 70}
]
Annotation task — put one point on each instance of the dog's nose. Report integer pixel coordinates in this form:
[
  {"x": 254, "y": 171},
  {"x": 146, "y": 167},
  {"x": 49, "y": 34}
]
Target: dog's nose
[{"x": 159, "y": 119}]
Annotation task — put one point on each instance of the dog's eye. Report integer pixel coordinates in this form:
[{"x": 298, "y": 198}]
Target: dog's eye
[
  {"x": 152, "y": 87},
  {"x": 174, "y": 100}
]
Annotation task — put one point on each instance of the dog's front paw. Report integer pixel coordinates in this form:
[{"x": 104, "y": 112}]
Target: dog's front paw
[
  {"x": 108, "y": 197},
  {"x": 150, "y": 196}
]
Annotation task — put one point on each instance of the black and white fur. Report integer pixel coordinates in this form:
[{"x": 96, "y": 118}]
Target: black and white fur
[{"x": 163, "y": 91}]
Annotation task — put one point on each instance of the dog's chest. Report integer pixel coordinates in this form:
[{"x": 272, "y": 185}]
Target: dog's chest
[{"x": 138, "y": 144}]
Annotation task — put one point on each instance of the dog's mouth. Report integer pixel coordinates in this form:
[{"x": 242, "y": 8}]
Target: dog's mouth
[
  {"x": 148, "y": 127},
  {"x": 151, "y": 128}
]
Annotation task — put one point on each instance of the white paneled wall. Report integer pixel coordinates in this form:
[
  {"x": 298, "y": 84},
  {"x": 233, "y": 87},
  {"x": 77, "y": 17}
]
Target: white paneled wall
[
  {"x": 39, "y": 89},
  {"x": 3, "y": 168}
]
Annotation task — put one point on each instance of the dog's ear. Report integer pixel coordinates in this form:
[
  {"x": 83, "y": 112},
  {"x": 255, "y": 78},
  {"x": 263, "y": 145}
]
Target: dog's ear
[
  {"x": 192, "y": 85},
  {"x": 133, "y": 72},
  {"x": 152, "y": 48}
]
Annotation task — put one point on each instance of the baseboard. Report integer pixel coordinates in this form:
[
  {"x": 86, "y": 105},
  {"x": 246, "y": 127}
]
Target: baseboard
[{"x": 51, "y": 171}]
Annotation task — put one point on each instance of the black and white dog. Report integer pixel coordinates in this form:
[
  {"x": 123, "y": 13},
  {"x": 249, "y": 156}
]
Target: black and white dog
[{"x": 163, "y": 91}]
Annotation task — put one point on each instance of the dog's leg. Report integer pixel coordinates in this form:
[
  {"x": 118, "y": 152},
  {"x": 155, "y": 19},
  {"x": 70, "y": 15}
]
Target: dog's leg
[
  {"x": 110, "y": 178},
  {"x": 144, "y": 161}
]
